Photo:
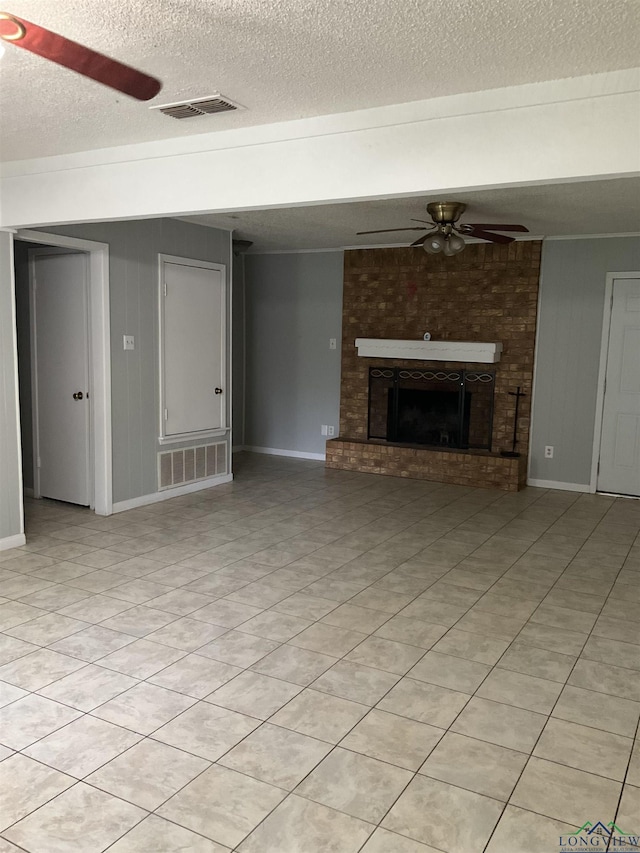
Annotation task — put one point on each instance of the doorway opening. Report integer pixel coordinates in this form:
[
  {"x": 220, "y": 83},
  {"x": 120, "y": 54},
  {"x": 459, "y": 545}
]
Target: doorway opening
[{"x": 62, "y": 300}]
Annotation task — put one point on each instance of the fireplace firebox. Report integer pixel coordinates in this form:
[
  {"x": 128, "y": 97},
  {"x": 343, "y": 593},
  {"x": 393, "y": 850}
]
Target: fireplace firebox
[{"x": 437, "y": 408}]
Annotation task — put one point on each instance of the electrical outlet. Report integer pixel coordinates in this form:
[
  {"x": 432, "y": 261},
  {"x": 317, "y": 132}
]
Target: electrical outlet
[
  {"x": 331, "y": 430},
  {"x": 548, "y": 452},
  {"x": 324, "y": 429},
  {"x": 128, "y": 342},
  {"x": 333, "y": 343}
]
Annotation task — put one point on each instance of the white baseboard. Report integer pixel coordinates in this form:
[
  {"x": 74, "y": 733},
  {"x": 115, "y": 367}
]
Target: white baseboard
[
  {"x": 564, "y": 487},
  {"x": 27, "y": 492},
  {"x": 294, "y": 454},
  {"x": 167, "y": 494},
  {"x": 10, "y": 542}
]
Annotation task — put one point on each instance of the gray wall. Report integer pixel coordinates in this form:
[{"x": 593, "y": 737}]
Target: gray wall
[
  {"x": 10, "y": 490},
  {"x": 572, "y": 286},
  {"x": 293, "y": 307},
  {"x": 133, "y": 277}
]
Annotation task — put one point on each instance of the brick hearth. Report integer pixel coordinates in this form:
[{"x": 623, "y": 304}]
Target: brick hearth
[{"x": 487, "y": 293}]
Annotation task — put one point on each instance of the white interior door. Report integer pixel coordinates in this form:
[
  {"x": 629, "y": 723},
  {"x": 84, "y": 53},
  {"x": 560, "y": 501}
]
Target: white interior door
[
  {"x": 60, "y": 354},
  {"x": 619, "y": 468},
  {"x": 193, "y": 348}
]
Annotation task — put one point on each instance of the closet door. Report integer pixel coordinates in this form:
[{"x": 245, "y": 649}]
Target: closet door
[{"x": 192, "y": 348}]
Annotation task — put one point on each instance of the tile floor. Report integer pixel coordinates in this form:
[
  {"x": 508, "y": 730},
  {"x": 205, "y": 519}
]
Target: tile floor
[{"x": 307, "y": 661}]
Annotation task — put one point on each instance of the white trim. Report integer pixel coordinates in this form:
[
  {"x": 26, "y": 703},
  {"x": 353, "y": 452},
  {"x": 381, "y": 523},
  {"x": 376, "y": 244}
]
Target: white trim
[
  {"x": 593, "y": 236},
  {"x": 534, "y": 374},
  {"x": 16, "y": 400},
  {"x": 294, "y": 454},
  {"x": 464, "y": 351},
  {"x": 225, "y": 408},
  {"x": 227, "y": 344},
  {"x": 167, "y": 494},
  {"x": 15, "y": 541},
  {"x": 602, "y": 371},
  {"x": 554, "y": 484},
  {"x": 100, "y": 357},
  {"x": 244, "y": 349}
]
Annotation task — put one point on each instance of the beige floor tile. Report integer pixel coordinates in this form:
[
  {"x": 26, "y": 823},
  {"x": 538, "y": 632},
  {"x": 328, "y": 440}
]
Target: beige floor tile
[
  {"x": 356, "y": 618},
  {"x": 227, "y": 614},
  {"x": 254, "y": 694},
  {"x": 186, "y": 634},
  {"x": 138, "y": 591},
  {"x": 520, "y": 831},
  {"x": 299, "y": 666},
  {"x": 144, "y": 708},
  {"x": 320, "y": 715},
  {"x": 222, "y": 805},
  {"x": 356, "y": 682},
  {"x": 564, "y": 793},
  {"x": 82, "y": 746},
  {"x": 471, "y": 646},
  {"x": 96, "y": 608},
  {"x": 490, "y": 625},
  {"x": 300, "y": 826},
  {"x": 355, "y": 784},
  {"x": 523, "y": 691},
  {"x": 274, "y": 626},
  {"x": 139, "y": 621},
  {"x": 629, "y": 809},
  {"x": 195, "y": 675},
  {"x": 383, "y": 841},
  {"x": 26, "y": 720},
  {"x": 537, "y": 662},
  {"x": 305, "y": 606},
  {"x": 141, "y": 658},
  {"x": 11, "y": 648},
  {"x": 148, "y": 774},
  {"x": 328, "y": 639},
  {"x": 9, "y": 693},
  {"x": 276, "y": 755},
  {"x": 424, "y": 702},
  {"x": 501, "y": 724},
  {"x": 601, "y": 677},
  {"x": 238, "y": 649},
  {"x": 397, "y": 740},
  {"x": 452, "y": 672},
  {"x": 386, "y": 655},
  {"x": 584, "y": 748},
  {"x": 47, "y": 629},
  {"x": 38, "y": 669},
  {"x": 98, "y": 581},
  {"x": 413, "y": 632},
  {"x": 92, "y": 643},
  {"x": 25, "y": 785},
  {"x": 599, "y": 710},
  {"x": 612, "y": 652},
  {"x": 16, "y": 613},
  {"x": 437, "y": 612},
  {"x": 444, "y": 816},
  {"x": 161, "y": 836},
  {"x": 563, "y": 617},
  {"x": 88, "y": 687},
  {"x": 81, "y": 820},
  {"x": 633, "y": 776},
  {"x": 475, "y": 765},
  {"x": 55, "y": 597},
  {"x": 206, "y": 730}
]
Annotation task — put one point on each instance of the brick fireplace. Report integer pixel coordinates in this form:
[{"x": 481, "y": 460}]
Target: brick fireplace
[{"x": 487, "y": 293}]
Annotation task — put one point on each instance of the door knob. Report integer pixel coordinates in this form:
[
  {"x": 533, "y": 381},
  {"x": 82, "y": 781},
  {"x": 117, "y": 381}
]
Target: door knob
[
  {"x": 218, "y": 391},
  {"x": 78, "y": 395}
]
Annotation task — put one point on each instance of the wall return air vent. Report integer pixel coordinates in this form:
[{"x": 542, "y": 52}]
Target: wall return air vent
[{"x": 199, "y": 107}]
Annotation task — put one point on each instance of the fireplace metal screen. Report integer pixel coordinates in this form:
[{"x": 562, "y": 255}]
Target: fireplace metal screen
[{"x": 439, "y": 408}]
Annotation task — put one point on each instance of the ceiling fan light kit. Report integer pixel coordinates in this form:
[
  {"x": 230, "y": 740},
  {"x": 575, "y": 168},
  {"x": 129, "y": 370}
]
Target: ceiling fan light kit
[{"x": 447, "y": 236}]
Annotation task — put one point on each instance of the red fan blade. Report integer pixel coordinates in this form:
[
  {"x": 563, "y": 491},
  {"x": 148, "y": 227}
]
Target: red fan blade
[
  {"x": 78, "y": 58},
  {"x": 472, "y": 231},
  {"x": 419, "y": 241},
  {"x": 386, "y": 230},
  {"x": 491, "y": 227}
]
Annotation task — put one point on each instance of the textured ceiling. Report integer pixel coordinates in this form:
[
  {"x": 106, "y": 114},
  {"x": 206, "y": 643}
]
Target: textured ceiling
[
  {"x": 290, "y": 59},
  {"x": 592, "y": 207}
]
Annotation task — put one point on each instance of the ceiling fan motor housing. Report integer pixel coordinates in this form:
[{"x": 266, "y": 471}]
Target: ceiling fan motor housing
[{"x": 443, "y": 212}]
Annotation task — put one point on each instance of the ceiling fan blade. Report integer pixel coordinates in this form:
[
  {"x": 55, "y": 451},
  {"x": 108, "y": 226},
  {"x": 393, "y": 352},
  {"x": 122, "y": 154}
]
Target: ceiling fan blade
[
  {"x": 491, "y": 227},
  {"x": 426, "y": 222},
  {"x": 419, "y": 241},
  {"x": 472, "y": 231},
  {"x": 78, "y": 58},
  {"x": 387, "y": 230}
]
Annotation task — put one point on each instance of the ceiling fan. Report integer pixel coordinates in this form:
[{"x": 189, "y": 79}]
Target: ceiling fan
[
  {"x": 445, "y": 235},
  {"x": 77, "y": 57}
]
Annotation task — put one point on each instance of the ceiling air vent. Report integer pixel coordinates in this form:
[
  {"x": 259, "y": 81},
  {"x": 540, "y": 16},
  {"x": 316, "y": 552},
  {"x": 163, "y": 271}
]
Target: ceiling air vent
[{"x": 200, "y": 107}]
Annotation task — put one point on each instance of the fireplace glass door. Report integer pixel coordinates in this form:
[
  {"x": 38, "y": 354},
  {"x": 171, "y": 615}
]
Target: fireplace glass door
[{"x": 438, "y": 408}]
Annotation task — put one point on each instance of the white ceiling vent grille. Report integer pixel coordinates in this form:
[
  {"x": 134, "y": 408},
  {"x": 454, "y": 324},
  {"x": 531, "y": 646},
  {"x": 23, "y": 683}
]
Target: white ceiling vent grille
[
  {"x": 199, "y": 107},
  {"x": 178, "y": 467}
]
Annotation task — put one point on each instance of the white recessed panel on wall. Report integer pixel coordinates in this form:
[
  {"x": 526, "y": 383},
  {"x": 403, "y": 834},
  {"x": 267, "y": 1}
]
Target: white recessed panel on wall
[{"x": 192, "y": 348}]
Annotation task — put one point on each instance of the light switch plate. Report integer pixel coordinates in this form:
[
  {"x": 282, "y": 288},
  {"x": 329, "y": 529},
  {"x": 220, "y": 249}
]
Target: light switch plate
[{"x": 128, "y": 342}]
